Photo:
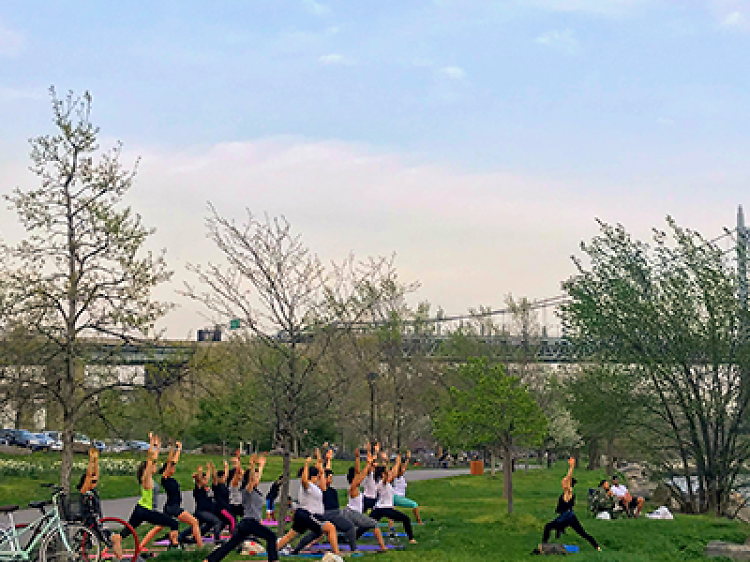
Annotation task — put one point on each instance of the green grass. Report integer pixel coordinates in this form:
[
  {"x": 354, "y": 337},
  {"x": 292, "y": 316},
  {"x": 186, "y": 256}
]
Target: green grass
[{"x": 468, "y": 521}]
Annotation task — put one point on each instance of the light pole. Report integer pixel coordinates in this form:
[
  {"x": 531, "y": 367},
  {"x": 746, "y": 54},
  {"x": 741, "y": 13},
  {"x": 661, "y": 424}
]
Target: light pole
[{"x": 371, "y": 376}]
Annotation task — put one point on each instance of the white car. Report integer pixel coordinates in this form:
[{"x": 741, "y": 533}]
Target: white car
[{"x": 55, "y": 438}]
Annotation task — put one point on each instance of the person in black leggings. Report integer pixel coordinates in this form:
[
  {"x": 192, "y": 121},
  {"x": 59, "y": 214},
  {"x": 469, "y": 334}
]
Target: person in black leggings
[
  {"x": 144, "y": 512},
  {"x": 250, "y": 525},
  {"x": 566, "y": 518},
  {"x": 384, "y": 508}
]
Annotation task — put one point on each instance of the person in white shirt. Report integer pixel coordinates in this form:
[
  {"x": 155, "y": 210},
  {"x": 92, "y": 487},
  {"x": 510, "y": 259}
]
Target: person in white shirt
[
  {"x": 308, "y": 515},
  {"x": 384, "y": 508},
  {"x": 627, "y": 501},
  {"x": 399, "y": 490}
]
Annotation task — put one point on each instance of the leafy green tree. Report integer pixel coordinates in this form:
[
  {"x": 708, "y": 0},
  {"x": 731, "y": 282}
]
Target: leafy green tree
[
  {"x": 491, "y": 411},
  {"x": 669, "y": 311},
  {"x": 81, "y": 270}
]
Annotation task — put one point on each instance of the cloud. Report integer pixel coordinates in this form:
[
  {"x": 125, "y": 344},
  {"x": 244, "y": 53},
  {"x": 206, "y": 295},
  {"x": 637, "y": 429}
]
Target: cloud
[
  {"x": 335, "y": 59},
  {"x": 563, "y": 40},
  {"x": 733, "y": 19},
  {"x": 452, "y": 72},
  {"x": 12, "y": 42},
  {"x": 611, "y": 8},
  {"x": 316, "y": 8},
  {"x": 15, "y": 94}
]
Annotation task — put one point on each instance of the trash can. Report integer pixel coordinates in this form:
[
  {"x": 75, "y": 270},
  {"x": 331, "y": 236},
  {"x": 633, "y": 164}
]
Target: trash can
[{"x": 477, "y": 467}]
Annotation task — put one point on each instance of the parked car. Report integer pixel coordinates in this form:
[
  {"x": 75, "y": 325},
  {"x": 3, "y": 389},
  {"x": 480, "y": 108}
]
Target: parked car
[
  {"x": 45, "y": 442},
  {"x": 116, "y": 446},
  {"x": 56, "y": 438},
  {"x": 81, "y": 439},
  {"x": 138, "y": 446},
  {"x": 99, "y": 445},
  {"x": 27, "y": 439}
]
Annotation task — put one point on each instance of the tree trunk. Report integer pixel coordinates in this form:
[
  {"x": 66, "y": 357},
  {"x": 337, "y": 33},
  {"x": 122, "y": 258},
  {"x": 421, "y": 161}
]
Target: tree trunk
[
  {"x": 595, "y": 460},
  {"x": 284, "y": 492},
  {"x": 610, "y": 452},
  {"x": 508, "y": 476},
  {"x": 492, "y": 463},
  {"x": 67, "y": 453},
  {"x": 526, "y": 466}
]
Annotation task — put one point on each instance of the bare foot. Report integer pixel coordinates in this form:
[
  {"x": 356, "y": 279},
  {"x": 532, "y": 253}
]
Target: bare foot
[{"x": 412, "y": 541}]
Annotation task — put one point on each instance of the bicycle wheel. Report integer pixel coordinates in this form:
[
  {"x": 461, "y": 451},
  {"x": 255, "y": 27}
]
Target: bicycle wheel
[{"x": 80, "y": 544}]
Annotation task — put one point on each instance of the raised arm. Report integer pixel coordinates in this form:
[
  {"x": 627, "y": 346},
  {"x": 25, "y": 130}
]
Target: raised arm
[
  {"x": 360, "y": 477},
  {"x": 238, "y": 472},
  {"x": 305, "y": 478},
  {"x": 251, "y": 479},
  {"x": 261, "y": 465},
  {"x": 177, "y": 451},
  {"x": 357, "y": 467},
  {"x": 567, "y": 483},
  {"x": 321, "y": 471},
  {"x": 211, "y": 471},
  {"x": 329, "y": 459},
  {"x": 405, "y": 464},
  {"x": 395, "y": 470},
  {"x": 92, "y": 471},
  {"x": 153, "y": 455}
]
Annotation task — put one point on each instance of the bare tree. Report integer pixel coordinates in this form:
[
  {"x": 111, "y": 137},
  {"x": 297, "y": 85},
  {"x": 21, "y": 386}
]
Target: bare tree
[
  {"x": 80, "y": 271},
  {"x": 291, "y": 304}
]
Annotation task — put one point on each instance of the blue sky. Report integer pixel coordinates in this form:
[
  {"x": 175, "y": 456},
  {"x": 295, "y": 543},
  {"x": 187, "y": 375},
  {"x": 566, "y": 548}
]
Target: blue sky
[{"x": 476, "y": 139}]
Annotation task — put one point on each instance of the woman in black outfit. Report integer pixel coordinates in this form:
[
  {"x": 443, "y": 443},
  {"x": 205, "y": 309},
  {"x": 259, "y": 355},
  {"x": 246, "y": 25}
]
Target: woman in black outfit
[{"x": 566, "y": 518}]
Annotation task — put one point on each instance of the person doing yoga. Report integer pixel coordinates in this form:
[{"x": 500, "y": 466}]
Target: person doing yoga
[
  {"x": 307, "y": 516},
  {"x": 144, "y": 512},
  {"x": 566, "y": 518},
  {"x": 250, "y": 525},
  {"x": 91, "y": 505},
  {"x": 384, "y": 508},
  {"x": 173, "y": 504},
  {"x": 205, "y": 507},
  {"x": 353, "y": 509},
  {"x": 221, "y": 496},
  {"x": 399, "y": 490}
]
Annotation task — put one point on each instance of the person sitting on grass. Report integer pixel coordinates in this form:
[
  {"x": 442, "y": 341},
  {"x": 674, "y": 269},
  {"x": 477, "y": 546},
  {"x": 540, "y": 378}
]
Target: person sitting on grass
[
  {"x": 632, "y": 505},
  {"x": 603, "y": 499},
  {"x": 308, "y": 515},
  {"x": 250, "y": 525},
  {"x": 566, "y": 518}
]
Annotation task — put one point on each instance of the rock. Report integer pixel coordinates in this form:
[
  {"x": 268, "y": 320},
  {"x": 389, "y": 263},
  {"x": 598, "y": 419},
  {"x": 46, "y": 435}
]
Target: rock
[{"x": 715, "y": 549}]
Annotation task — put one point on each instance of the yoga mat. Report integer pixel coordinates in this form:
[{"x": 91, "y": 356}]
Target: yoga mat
[
  {"x": 385, "y": 534},
  {"x": 270, "y": 522}
]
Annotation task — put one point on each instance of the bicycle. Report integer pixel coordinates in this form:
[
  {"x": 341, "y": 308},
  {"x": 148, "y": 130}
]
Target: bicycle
[{"x": 50, "y": 537}]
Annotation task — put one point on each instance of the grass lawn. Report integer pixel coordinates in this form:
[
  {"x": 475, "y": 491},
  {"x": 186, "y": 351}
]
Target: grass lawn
[
  {"x": 471, "y": 524},
  {"x": 468, "y": 521}
]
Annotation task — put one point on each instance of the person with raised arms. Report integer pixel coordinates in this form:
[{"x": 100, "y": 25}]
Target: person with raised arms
[
  {"x": 384, "y": 508},
  {"x": 250, "y": 525},
  {"x": 91, "y": 505},
  {"x": 173, "y": 504},
  {"x": 370, "y": 492},
  {"x": 308, "y": 515},
  {"x": 205, "y": 506},
  {"x": 566, "y": 518},
  {"x": 221, "y": 496},
  {"x": 353, "y": 509},
  {"x": 399, "y": 490},
  {"x": 144, "y": 512}
]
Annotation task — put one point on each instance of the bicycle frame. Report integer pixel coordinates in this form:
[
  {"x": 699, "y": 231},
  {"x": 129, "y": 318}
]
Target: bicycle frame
[{"x": 48, "y": 523}]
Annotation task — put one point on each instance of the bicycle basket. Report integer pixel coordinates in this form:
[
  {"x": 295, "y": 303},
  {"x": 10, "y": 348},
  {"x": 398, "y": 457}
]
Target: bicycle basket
[{"x": 70, "y": 506}]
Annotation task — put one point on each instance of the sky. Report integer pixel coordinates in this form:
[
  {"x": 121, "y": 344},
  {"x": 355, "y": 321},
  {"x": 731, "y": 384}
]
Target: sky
[{"x": 476, "y": 140}]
